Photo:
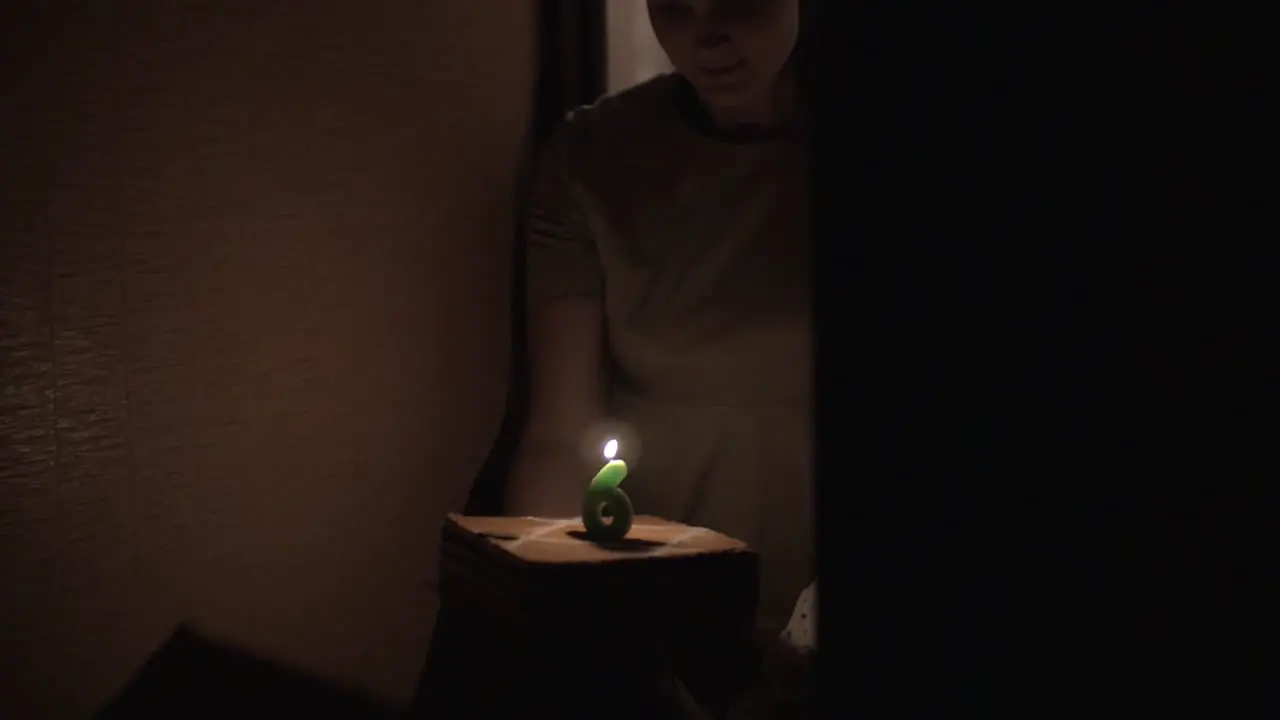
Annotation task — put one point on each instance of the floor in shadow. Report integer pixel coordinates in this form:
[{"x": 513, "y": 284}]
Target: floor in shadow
[{"x": 193, "y": 676}]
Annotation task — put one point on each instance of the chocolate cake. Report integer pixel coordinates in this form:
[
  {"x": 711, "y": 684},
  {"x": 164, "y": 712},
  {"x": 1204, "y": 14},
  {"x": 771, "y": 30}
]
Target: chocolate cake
[{"x": 563, "y": 614}]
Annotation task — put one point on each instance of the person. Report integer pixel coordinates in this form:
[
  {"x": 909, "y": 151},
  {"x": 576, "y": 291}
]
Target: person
[{"x": 669, "y": 299}]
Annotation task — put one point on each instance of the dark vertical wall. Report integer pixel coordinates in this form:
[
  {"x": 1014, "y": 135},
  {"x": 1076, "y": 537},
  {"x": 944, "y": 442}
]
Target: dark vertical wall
[{"x": 253, "y": 325}]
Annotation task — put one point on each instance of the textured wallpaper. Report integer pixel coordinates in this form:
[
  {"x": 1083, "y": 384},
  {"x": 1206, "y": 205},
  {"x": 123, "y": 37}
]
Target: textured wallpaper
[{"x": 253, "y": 325}]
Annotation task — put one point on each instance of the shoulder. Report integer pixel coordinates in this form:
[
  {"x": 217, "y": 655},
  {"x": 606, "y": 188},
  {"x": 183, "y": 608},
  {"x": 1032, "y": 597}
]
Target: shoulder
[
  {"x": 605, "y": 150},
  {"x": 651, "y": 99},
  {"x": 625, "y": 120}
]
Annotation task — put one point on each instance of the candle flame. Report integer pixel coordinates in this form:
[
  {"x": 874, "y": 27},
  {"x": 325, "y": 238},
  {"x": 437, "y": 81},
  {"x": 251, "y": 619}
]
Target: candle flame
[{"x": 610, "y": 449}]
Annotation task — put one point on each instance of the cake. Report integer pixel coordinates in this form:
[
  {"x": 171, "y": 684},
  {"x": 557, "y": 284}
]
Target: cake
[{"x": 561, "y": 614}]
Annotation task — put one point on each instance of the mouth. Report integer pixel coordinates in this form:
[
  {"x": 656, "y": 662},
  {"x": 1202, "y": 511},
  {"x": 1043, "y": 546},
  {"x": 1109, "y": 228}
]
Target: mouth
[{"x": 723, "y": 70}]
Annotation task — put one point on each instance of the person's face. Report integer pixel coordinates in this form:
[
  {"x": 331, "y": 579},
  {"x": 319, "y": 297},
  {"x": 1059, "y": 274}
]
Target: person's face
[{"x": 732, "y": 51}]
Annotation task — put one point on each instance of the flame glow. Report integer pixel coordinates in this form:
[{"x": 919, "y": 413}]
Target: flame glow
[{"x": 610, "y": 449}]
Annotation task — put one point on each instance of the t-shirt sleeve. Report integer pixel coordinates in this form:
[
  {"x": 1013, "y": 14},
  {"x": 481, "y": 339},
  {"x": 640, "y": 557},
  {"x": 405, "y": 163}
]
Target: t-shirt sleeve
[{"x": 561, "y": 256}]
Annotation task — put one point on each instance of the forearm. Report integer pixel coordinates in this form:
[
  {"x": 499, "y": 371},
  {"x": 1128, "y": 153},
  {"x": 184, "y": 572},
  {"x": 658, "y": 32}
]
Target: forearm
[
  {"x": 547, "y": 479},
  {"x": 566, "y": 362}
]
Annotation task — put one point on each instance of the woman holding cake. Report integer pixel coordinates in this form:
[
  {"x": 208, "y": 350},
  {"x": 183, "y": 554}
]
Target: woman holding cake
[{"x": 669, "y": 291}]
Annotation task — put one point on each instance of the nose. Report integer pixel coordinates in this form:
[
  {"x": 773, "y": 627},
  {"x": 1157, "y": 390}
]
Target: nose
[{"x": 710, "y": 34}]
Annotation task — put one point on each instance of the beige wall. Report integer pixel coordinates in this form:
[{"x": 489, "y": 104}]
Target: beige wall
[
  {"x": 253, "y": 325},
  {"x": 633, "y": 52}
]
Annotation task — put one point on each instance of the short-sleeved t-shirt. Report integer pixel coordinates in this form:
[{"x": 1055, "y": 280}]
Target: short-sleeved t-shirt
[{"x": 698, "y": 246}]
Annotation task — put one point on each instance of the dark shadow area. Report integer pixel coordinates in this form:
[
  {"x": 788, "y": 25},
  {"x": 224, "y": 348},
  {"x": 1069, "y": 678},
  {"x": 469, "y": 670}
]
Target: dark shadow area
[
  {"x": 569, "y": 667},
  {"x": 1038, "y": 360},
  {"x": 192, "y": 676}
]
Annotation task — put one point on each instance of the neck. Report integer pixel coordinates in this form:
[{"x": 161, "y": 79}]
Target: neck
[{"x": 771, "y": 108}]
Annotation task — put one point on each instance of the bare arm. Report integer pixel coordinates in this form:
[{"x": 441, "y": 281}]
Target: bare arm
[
  {"x": 566, "y": 396},
  {"x": 566, "y": 355}
]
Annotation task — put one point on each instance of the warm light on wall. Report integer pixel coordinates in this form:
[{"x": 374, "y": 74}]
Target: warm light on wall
[{"x": 633, "y": 52}]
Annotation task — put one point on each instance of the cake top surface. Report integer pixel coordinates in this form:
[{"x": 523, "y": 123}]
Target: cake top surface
[{"x": 563, "y": 540}]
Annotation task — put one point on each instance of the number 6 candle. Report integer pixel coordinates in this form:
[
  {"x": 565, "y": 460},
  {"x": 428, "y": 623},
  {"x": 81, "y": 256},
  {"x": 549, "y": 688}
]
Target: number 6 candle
[{"x": 607, "y": 511}]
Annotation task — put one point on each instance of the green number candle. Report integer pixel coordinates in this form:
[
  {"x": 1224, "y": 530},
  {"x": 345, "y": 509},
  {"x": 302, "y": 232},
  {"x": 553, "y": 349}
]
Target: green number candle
[{"x": 607, "y": 511}]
